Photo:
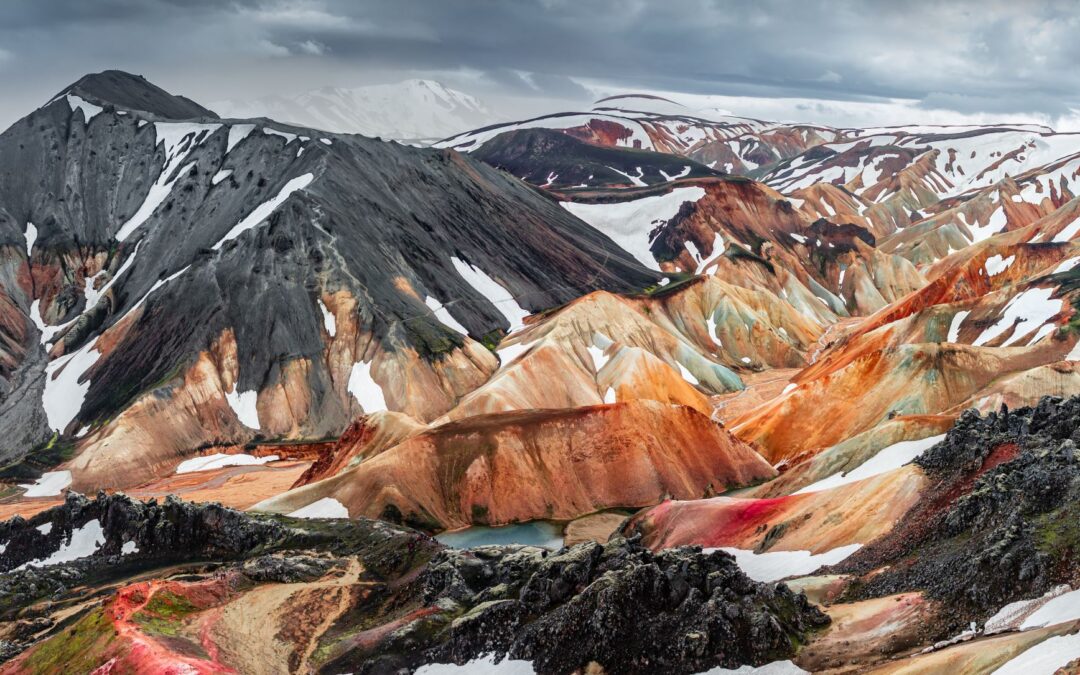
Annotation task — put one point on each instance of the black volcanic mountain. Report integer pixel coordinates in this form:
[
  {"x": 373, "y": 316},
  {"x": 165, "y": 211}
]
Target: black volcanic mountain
[
  {"x": 551, "y": 158},
  {"x": 156, "y": 255},
  {"x": 133, "y": 92}
]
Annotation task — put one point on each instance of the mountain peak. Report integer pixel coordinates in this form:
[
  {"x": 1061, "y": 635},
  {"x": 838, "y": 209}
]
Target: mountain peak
[{"x": 134, "y": 92}]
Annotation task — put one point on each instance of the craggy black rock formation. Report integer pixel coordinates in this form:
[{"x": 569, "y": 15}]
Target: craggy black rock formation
[
  {"x": 619, "y": 604},
  {"x": 1001, "y": 522},
  {"x": 138, "y": 535}
]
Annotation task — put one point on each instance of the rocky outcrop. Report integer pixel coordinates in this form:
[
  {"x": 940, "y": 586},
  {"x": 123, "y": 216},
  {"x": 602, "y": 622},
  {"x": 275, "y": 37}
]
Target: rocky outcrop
[
  {"x": 113, "y": 534},
  {"x": 999, "y": 522},
  {"x": 367, "y": 597},
  {"x": 616, "y": 605}
]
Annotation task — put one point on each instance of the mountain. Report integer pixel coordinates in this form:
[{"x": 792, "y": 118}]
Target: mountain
[
  {"x": 645, "y": 388},
  {"x": 555, "y": 161},
  {"x": 412, "y": 111},
  {"x": 175, "y": 284},
  {"x": 719, "y": 141}
]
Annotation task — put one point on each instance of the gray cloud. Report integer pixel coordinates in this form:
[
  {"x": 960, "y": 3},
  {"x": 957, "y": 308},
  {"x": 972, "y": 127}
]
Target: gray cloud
[{"x": 993, "y": 56}]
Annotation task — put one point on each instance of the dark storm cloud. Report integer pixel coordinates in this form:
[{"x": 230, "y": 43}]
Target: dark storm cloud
[{"x": 989, "y": 56}]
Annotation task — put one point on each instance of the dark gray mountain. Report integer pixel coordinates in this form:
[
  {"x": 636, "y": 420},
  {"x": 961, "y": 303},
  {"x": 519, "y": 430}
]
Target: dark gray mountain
[
  {"x": 560, "y": 161},
  {"x": 154, "y": 229},
  {"x": 134, "y": 92}
]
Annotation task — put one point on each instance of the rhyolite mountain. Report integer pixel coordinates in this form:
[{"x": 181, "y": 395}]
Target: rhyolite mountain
[{"x": 141, "y": 234}]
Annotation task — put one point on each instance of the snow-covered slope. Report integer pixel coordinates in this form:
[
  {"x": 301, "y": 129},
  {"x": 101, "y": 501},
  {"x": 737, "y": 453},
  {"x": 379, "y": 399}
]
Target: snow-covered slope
[
  {"x": 416, "y": 111},
  {"x": 709, "y": 136}
]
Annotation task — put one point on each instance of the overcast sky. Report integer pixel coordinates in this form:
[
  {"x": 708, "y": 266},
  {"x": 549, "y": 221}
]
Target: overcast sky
[{"x": 842, "y": 62}]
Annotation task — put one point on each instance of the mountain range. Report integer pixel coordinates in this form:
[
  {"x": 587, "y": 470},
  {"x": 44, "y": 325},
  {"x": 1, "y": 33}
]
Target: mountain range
[{"x": 641, "y": 388}]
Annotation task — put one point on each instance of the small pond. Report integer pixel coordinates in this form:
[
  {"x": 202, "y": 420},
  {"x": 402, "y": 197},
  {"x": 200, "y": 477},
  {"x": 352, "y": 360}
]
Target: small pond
[{"x": 537, "y": 533}]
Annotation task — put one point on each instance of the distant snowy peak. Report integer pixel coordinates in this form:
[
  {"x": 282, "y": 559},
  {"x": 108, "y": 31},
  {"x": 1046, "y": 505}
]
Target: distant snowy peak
[
  {"x": 648, "y": 105},
  {"x": 415, "y": 111}
]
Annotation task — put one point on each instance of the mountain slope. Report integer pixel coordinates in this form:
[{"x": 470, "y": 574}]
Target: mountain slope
[{"x": 559, "y": 161}]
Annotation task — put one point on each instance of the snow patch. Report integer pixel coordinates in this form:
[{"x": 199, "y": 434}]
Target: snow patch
[
  {"x": 1065, "y": 607},
  {"x": 88, "y": 108},
  {"x": 84, "y": 541},
  {"x": 630, "y": 223},
  {"x": 1066, "y": 265},
  {"x": 365, "y": 389},
  {"x": 634, "y": 180},
  {"x": 289, "y": 137},
  {"x": 510, "y": 352},
  {"x": 1068, "y": 232},
  {"x": 774, "y": 668},
  {"x": 263, "y": 211},
  {"x": 243, "y": 405},
  {"x": 717, "y": 251},
  {"x": 681, "y": 174},
  {"x": 1033, "y": 307},
  {"x": 1011, "y": 615},
  {"x": 1044, "y": 658},
  {"x": 599, "y": 359},
  {"x": 220, "y": 460},
  {"x": 329, "y": 322},
  {"x": 995, "y": 264},
  {"x": 710, "y": 322},
  {"x": 995, "y": 224},
  {"x": 220, "y": 176},
  {"x": 954, "y": 327},
  {"x": 64, "y": 393},
  {"x": 484, "y": 665},
  {"x": 50, "y": 484},
  {"x": 776, "y": 565},
  {"x": 887, "y": 459},
  {"x": 128, "y": 548},
  {"x": 493, "y": 291},
  {"x": 327, "y": 507},
  {"x": 237, "y": 133},
  {"x": 31, "y": 237},
  {"x": 179, "y": 139},
  {"x": 443, "y": 315},
  {"x": 686, "y": 374},
  {"x": 157, "y": 284}
]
